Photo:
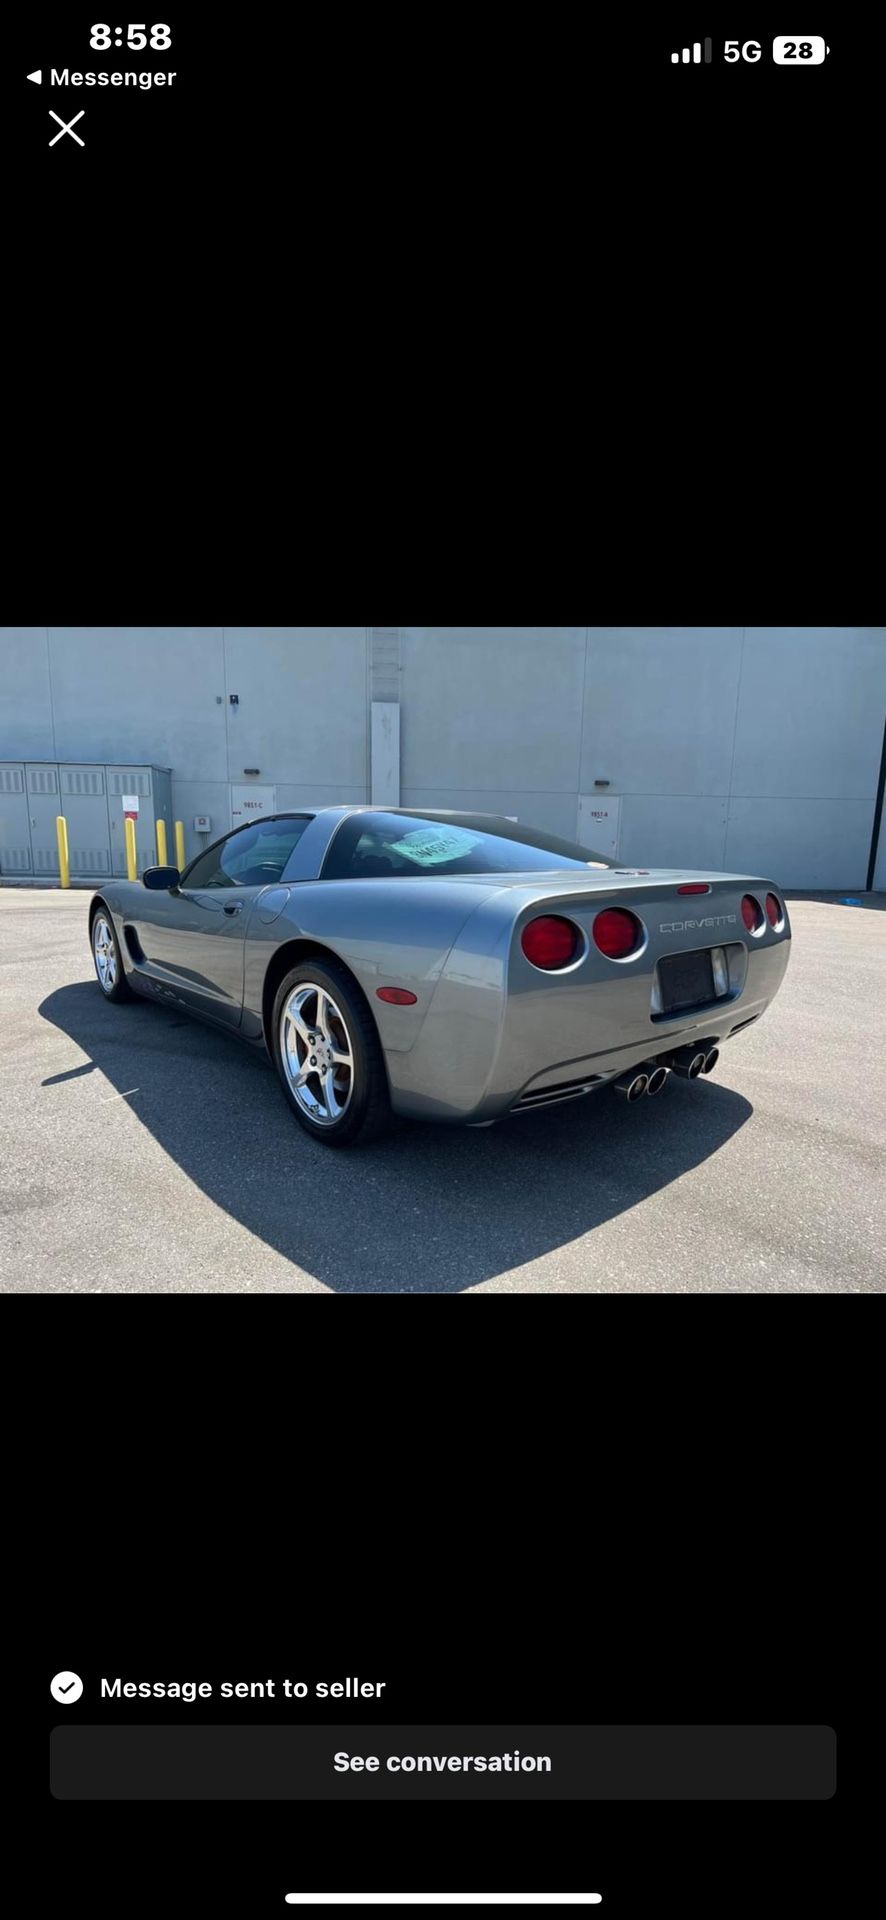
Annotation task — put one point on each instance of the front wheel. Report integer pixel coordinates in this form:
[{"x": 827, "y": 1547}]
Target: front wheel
[
  {"x": 328, "y": 1055},
  {"x": 106, "y": 954}
]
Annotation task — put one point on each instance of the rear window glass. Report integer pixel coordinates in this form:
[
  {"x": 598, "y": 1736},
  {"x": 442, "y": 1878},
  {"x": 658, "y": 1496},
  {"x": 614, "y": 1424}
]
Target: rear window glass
[{"x": 375, "y": 846}]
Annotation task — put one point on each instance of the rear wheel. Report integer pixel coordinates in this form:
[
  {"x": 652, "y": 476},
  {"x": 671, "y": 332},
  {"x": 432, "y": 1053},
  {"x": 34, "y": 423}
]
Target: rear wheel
[
  {"x": 106, "y": 955},
  {"x": 328, "y": 1055}
]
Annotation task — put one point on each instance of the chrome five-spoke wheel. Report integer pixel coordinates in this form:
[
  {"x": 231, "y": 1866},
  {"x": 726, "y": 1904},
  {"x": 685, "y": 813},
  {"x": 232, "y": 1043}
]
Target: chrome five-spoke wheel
[
  {"x": 315, "y": 1049},
  {"x": 105, "y": 951}
]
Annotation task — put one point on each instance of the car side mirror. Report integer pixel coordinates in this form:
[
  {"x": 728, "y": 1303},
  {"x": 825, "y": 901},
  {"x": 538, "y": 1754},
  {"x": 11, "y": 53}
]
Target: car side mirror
[{"x": 160, "y": 879}]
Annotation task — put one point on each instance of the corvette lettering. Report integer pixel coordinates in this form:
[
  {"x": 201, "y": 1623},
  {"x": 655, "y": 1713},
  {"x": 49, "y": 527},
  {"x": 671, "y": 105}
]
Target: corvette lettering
[{"x": 683, "y": 926}]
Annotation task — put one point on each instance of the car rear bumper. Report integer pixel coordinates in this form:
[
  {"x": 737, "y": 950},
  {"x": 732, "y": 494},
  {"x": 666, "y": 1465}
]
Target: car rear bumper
[
  {"x": 482, "y": 1055},
  {"x": 599, "y": 1070}
]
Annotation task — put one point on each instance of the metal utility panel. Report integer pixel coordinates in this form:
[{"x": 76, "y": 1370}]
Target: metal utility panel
[
  {"x": 84, "y": 803},
  {"x": 34, "y": 793},
  {"x": 153, "y": 789},
  {"x": 43, "y": 810},
  {"x": 135, "y": 780},
  {"x": 15, "y": 829}
]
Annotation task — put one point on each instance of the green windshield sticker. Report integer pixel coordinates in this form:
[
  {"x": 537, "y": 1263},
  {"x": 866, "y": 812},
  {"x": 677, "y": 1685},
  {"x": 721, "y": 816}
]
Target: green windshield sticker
[{"x": 431, "y": 846}]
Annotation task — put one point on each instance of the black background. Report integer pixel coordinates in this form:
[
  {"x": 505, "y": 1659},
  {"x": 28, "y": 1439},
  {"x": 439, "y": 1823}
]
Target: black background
[
  {"x": 439, "y": 141},
  {"x": 437, "y": 289},
  {"x": 339, "y": 90},
  {"x": 680, "y": 1858},
  {"x": 683, "y": 1540}
]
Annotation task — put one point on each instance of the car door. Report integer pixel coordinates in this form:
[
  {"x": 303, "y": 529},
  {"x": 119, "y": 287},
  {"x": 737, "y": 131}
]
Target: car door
[{"x": 196, "y": 944}]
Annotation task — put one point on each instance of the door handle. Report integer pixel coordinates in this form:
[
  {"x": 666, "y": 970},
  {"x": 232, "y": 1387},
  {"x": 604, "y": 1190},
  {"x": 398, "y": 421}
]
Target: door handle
[{"x": 234, "y": 909}]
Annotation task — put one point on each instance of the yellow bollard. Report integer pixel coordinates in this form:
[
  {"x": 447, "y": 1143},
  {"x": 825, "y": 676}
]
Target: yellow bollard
[
  {"x": 161, "y": 844},
  {"x": 131, "y": 867},
  {"x": 180, "y": 845},
  {"x": 64, "y": 862}
]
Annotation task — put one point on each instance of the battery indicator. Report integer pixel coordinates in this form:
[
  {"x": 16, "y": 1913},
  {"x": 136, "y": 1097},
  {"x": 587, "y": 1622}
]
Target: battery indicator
[{"x": 799, "y": 53}]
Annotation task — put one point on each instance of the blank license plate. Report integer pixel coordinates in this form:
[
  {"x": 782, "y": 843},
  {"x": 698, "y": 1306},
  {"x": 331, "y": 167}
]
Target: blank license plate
[{"x": 687, "y": 980}]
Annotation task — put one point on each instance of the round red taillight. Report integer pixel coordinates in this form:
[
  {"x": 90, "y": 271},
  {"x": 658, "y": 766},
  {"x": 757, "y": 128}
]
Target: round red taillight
[
  {"x": 550, "y": 942},
  {"x": 617, "y": 932},
  {"x": 774, "y": 910},
  {"x": 750, "y": 913}
]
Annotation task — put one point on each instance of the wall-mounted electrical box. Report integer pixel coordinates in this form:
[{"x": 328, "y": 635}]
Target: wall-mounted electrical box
[{"x": 202, "y": 823}]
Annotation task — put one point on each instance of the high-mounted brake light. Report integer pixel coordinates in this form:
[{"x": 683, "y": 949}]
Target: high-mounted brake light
[
  {"x": 751, "y": 913},
  {"x": 696, "y": 886},
  {"x": 550, "y": 942},
  {"x": 774, "y": 910},
  {"x": 396, "y": 996},
  {"x": 617, "y": 932}
]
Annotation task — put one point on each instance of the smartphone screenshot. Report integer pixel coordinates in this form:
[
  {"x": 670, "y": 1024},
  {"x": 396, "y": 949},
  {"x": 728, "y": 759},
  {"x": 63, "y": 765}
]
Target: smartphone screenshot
[{"x": 467, "y": 960}]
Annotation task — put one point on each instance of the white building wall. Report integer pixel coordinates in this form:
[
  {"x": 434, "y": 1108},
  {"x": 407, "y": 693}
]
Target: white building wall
[
  {"x": 160, "y": 695},
  {"x": 25, "y": 706},
  {"x": 491, "y": 719},
  {"x": 732, "y": 747},
  {"x": 808, "y": 740}
]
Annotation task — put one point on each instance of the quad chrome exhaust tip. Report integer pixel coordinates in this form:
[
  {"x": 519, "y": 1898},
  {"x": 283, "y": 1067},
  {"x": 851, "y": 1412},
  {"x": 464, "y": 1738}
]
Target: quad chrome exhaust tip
[
  {"x": 653, "y": 1075},
  {"x": 632, "y": 1085},
  {"x": 690, "y": 1061}
]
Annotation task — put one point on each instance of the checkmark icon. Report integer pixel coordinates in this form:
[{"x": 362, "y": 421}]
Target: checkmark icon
[{"x": 66, "y": 1687}]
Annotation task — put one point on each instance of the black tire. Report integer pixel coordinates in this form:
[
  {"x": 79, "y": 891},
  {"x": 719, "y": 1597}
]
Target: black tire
[
  {"x": 367, "y": 1113},
  {"x": 119, "y": 988}
]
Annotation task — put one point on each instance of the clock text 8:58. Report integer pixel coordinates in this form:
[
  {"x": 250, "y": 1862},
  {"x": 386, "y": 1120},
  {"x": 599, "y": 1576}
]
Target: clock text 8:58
[{"x": 136, "y": 36}]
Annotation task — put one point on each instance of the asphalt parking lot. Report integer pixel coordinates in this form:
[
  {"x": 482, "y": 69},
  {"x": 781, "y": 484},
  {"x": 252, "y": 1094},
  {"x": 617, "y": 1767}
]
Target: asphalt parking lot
[{"x": 145, "y": 1153}]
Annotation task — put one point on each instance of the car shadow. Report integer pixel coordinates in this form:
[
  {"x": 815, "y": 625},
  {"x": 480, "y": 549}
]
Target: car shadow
[{"x": 428, "y": 1209}]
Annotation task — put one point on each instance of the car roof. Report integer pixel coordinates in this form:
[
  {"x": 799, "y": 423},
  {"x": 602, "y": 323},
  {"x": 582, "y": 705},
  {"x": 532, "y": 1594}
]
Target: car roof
[{"x": 368, "y": 806}]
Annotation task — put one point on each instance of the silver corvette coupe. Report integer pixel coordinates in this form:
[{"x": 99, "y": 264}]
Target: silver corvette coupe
[{"x": 446, "y": 966}]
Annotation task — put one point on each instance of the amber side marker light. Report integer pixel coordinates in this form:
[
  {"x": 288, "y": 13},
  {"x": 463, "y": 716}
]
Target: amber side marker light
[{"x": 396, "y": 996}]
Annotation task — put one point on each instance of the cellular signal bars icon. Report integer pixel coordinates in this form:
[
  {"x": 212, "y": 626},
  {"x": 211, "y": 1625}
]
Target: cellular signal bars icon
[{"x": 693, "y": 54}]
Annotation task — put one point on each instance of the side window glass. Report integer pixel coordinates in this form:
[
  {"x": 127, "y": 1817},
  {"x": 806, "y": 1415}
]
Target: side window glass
[
  {"x": 210, "y": 870},
  {"x": 253, "y": 856},
  {"x": 257, "y": 858},
  {"x": 235, "y": 859}
]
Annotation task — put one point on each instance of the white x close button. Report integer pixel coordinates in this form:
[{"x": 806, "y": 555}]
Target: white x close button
[{"x": 66, "y": 126}]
